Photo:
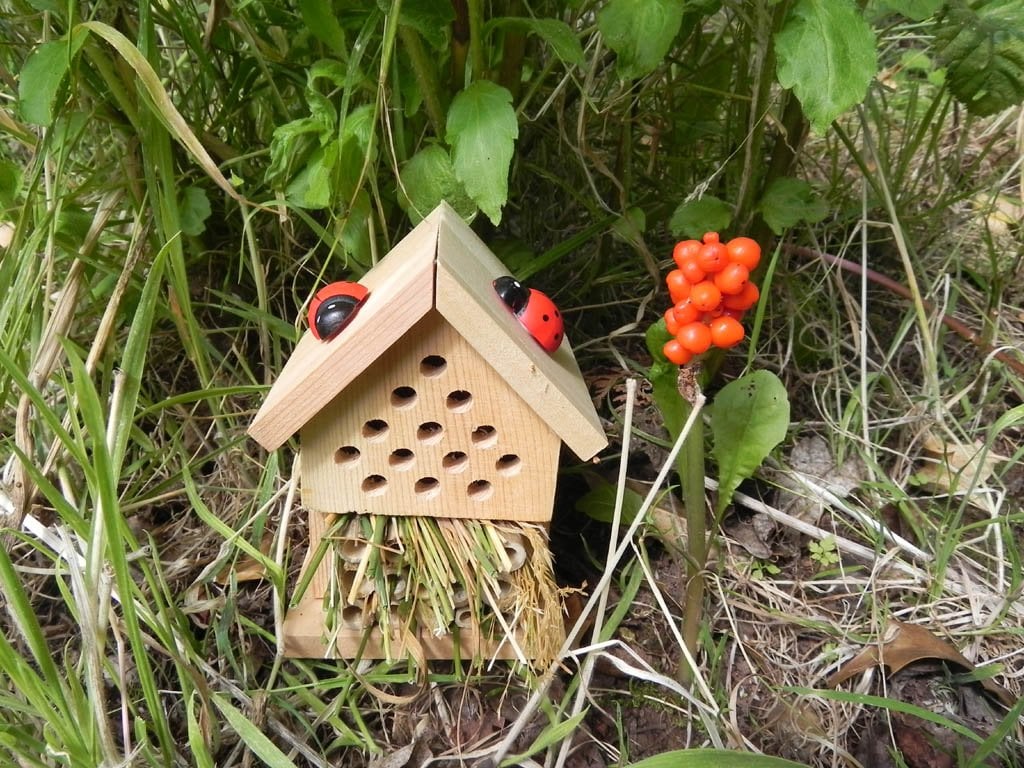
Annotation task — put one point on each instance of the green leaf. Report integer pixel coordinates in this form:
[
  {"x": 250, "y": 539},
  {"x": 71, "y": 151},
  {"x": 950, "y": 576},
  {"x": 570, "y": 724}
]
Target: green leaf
[
  {"x": 630, "y": 226},
  {"x": 713, "y": 758},
  {"x": 10, "y": 183},
  {"x": 787, "y": 202},
  {"x": 313, "y": 186},
  {"x": 918, "y": 10},
  {"x": 253, "y": 737},
  {"x": 826, "y": 54},
  {"x": 481, "y": 131},
  {"x": 599, "y": 503},
  {"x": 640, "y": 32},
  {"x": 426, "y": 180},
  {"x": 983, "y": 49},
  {"x": 550, "y": 735},
  {"x": 194, "y": 211},
  {"x": 693, "y": 219},
  {"x": 431, "y": 19},
  {"x": 554, "y": 32},
  {"x": 749, "y": 418},
  {"x": 664, "y": 378},
  {"x": 42, "y": 76},
  {"x": 319, "y": 18}
]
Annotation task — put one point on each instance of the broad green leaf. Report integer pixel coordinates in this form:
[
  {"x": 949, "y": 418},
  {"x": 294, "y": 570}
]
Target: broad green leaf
[
  {"x": 918, "y": 10},
  {"x": 427, "y": 179},
  {"x": 290, "y": 143},
  {"x": 749, "y": 418},
  {"x": 640, "y": 32},
  {"x": 599, "y": 503},
  {"x": 982, "y": 46},
  {"x": 693, "y": 219},
  {"x": 630, "y": 226},
  {"x": 194, "y": 211},
  {"x": 826, "y": 54},
  {"x": 42, "y": 76},
  {"x": 482, "y": 132},
  {"x": 354, "y": 235},
  {"x": 313, "y": 186},
  {"x": 550, "y": 735},
  {"x": 251, "y": 735},
  {"x": 431, "y": 19},
  {"x": 554, "y": 32},
  {"x": 713, "y": 758},
  {"x": 319, "y": 18},
  {"x": 664, "y": 378},
  {"x": 787, "y": 202}
]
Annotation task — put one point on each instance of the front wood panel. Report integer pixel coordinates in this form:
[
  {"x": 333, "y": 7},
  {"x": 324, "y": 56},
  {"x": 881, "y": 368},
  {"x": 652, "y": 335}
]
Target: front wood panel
[{"x": 413, "y": 436}]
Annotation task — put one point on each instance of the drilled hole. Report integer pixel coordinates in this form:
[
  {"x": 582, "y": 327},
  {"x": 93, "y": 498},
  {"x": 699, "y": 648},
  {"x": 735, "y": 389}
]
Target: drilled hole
[
  {"x": 508, "y": 465},
  {"x": 485, "y": 436},
  {"x": 374, "y": 485},
  {"x": 403, "y": 397},
  {"x": 402, "y": 458},
  {"x": 375, "y": 429},
  {"x": 456, "y": 461},
  {"x": 427, "y": 487},
  {"x": 458, "y": 401},
  {"x": 429, "y": 432},
  {"x": 347, "y": 456},
  {"x": 433, "y": 365},
  {"x": 480, "y": 490}
]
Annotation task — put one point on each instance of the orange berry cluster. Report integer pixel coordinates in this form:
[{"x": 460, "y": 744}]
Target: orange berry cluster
[{"x": 710, "y": 289}]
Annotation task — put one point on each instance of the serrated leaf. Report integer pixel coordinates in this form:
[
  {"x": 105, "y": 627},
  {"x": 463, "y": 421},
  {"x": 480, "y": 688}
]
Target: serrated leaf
[
  {"x": 983, "y": 50},
  {"x": 319, "y": 18},
  {"x": 482, "y": 131},
  {"x": 427, "y": 179},
  {"x": 713, "y": 758},
  {"x": 431, "y": 19},
  {"x": 749, "y": 418},
  {"x": 313, "y": 186},
  {"x": 554, "y": 32},
  {"x": 826, "y": 55},
  {"x": 693, "y": 219},
  {"x": 640, "y": 32},
  {"x": 787, "y": 202},
  {"x": 42, "y": 76},
  {"x": 194, "y": 211}
]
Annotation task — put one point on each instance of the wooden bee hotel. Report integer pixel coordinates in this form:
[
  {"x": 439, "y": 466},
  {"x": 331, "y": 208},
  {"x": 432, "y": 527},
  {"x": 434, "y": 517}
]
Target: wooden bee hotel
[{"x": 430, "y": 415}]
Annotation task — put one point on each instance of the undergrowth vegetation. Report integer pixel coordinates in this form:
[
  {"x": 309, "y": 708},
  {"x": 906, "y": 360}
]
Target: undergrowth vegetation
[{"x": 177, "y": 179}]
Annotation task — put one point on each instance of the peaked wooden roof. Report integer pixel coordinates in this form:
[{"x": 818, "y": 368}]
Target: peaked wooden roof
[{"x": 441, "y": 264}]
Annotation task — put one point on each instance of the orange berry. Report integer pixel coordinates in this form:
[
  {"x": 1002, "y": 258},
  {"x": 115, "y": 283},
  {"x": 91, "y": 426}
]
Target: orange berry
[
  {"x": 685, "y": 249},
  {"x": 743, "y": 250},
  {"x": 705, "y": 296},
  {"x": 732, "y": 278},
  {"x": 710, "y": 237},
  {"x": 725, "y": 332},
  {"x": 691, "y": 270},
  {"x": 678, "y": 285},
  {"x": 736, "y": 314},
  {"x": 671, "y": 324},
  {"x": 676, "y": 353},
  {"x": 684, "y": 312},
  {"x": 745, "y": 299},
  {"x": 713, "y": 257},
  {"x": 695, "y": 337}
]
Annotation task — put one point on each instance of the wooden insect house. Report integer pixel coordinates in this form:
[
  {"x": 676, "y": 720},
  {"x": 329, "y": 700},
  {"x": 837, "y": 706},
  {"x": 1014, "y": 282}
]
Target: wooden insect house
[{"x": 430, "y": 430}]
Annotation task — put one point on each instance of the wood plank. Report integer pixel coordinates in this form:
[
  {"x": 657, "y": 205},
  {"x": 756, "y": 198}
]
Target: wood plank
[{"x": 551, "y": 384}]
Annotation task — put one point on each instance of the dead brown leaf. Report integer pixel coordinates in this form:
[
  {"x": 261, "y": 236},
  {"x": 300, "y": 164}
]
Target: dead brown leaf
[{"x": 909, "y": 643}]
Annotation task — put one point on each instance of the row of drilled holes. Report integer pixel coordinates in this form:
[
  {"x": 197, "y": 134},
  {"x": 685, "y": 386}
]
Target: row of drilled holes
[
  {"x": 457, "y": 401},
  {"x": 427, "y": 487},
  {"x": 453, "y": 462},
  {"x": 429, "y": 432}
]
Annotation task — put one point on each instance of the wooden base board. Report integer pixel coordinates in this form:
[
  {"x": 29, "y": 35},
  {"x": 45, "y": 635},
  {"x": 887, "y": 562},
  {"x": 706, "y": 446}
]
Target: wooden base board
[{"x": 303, "y": 638}]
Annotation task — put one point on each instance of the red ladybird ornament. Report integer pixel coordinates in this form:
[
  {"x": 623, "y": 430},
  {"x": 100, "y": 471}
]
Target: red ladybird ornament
[
  {"x": 536, "y": 312},
  {"x": 333, "y": 308}
]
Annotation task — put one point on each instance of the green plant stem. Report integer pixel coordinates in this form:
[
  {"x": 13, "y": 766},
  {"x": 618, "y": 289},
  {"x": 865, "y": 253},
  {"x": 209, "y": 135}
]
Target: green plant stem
[{"x": 690, "y": 466}]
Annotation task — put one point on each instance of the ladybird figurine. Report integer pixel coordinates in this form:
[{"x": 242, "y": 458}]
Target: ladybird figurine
[
  {"x": 333, "y": 308},
  {"x": 536, "y": 312}
]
